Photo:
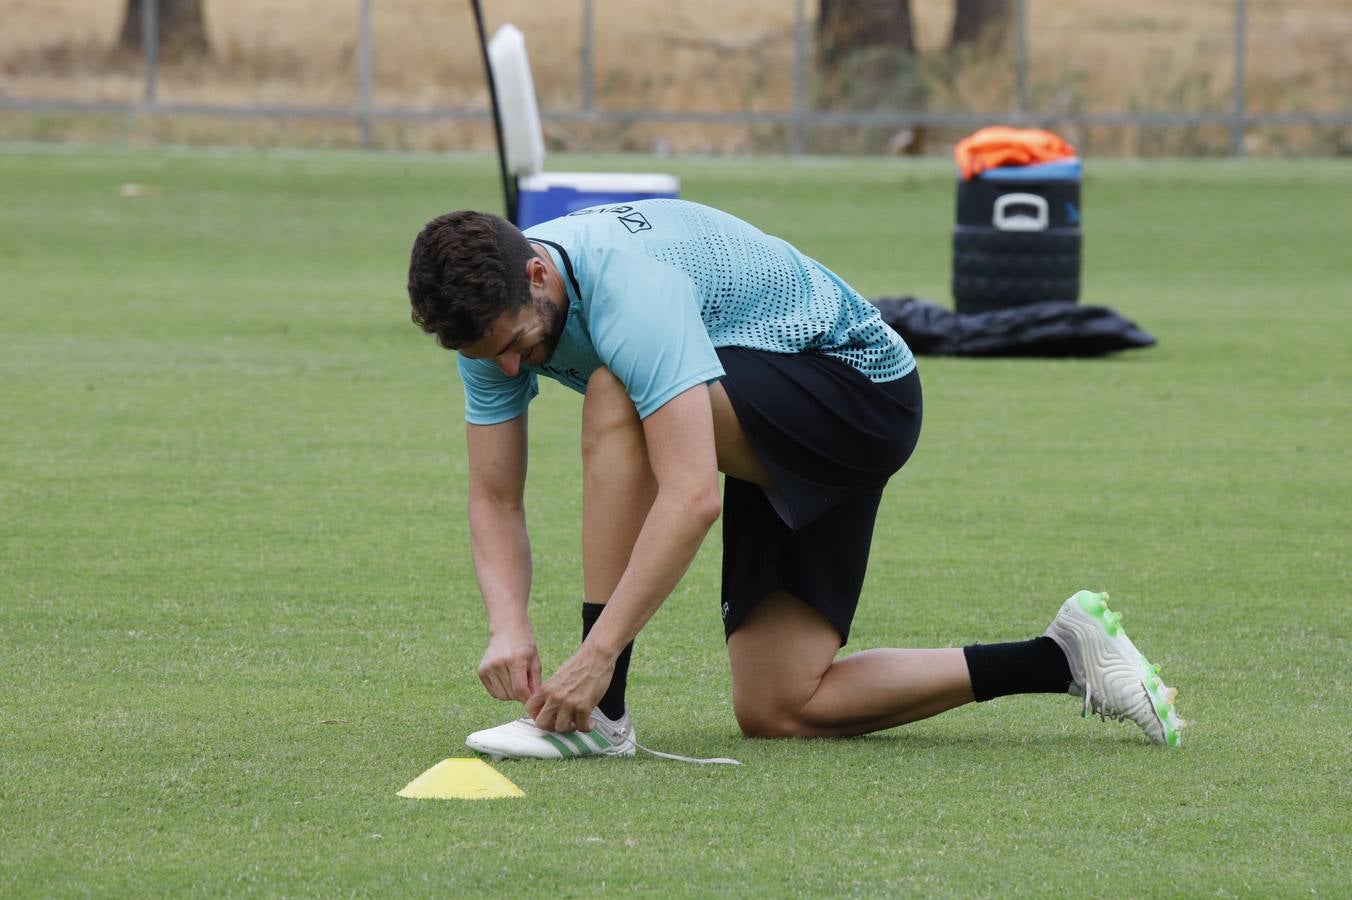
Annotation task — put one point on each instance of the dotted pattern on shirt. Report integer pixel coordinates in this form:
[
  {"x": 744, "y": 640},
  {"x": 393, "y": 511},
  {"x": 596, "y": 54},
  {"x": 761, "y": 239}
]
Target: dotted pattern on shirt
[{"x": 758, "y": 292}]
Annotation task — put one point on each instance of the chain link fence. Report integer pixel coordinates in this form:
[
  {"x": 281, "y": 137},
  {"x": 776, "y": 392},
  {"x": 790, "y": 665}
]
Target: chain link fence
[{"x": 1210, "y": 77}]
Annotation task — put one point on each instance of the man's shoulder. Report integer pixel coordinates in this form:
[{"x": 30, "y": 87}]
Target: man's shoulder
[{"x": 630, "y": 224}]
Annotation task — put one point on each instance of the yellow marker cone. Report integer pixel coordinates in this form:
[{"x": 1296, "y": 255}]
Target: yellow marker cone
[{"x": 461, "y": 779}]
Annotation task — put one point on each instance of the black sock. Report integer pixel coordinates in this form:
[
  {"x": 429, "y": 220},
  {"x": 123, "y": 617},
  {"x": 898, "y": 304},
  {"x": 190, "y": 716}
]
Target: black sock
[
  {"x": 1022, "y": 667},
  {"x": 612, "y": 703}
]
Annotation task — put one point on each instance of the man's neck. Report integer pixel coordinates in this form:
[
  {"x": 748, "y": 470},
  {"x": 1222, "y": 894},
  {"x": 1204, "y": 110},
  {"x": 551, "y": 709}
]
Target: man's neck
[{"x": 558, "y": 292}]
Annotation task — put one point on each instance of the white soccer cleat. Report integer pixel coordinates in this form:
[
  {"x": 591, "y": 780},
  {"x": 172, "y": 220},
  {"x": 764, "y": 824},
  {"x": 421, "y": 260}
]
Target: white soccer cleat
[
  {"x": 523, "y": 740},
  {"x": 1112, "y": 676}
]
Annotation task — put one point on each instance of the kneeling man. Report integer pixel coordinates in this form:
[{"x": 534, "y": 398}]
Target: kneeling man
[{"x": 703, "y": 345}]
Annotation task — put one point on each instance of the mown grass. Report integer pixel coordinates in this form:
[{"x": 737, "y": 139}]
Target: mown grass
[{"x": 237, "y": 613}]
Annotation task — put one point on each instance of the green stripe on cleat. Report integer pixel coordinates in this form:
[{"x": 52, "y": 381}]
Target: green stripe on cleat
[{"x": 564, "y": 750}]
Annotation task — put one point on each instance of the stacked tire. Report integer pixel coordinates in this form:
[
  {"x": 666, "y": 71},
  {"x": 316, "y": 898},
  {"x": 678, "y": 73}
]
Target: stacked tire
[{"x": 1017, "y": 240}]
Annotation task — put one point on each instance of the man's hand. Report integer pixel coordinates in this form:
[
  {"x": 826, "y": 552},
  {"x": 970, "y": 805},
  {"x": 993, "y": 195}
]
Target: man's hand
[
  {"x": 510, "y": 668},
  {"x": 565, "y": 701}
]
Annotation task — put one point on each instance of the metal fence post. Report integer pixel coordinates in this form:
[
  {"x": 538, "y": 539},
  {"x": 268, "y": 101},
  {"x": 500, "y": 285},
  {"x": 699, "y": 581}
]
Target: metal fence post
[
  {"x": 799, "y": 77},
  {"x": 585, "y": 53},
  {"x": 1237, "y": 120},
  {"x": 365, "y": 69},
  {"x": 1021, "y": 61},
  {"x": 150, "y": 46}
]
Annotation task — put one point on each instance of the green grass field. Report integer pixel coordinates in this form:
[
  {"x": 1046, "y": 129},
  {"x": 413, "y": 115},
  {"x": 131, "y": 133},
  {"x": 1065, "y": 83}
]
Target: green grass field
[{"x": 237, "y": 612}]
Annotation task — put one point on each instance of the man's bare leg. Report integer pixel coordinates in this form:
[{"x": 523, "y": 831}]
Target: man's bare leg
[
  {"x": 618, "y": 487},
  {"x": 618, "y": 490},
  {"x": 786, "y": 681}
]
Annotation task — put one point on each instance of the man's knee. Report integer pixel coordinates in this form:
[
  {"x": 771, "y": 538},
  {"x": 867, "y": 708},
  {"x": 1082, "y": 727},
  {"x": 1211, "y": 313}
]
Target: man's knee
[
  {"x": 773, "y": 712},
  {"x": 603, "y": 386},
  {"x": 760, "y": 724},
  {"x": 768, "y": 722},
  {"x": 608, "y": 414}
]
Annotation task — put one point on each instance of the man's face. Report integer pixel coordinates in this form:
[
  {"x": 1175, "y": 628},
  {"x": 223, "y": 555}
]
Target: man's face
[{"x": 526, "y": 337}]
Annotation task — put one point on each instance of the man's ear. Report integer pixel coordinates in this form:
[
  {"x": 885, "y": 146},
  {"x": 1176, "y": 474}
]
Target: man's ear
[{"x": 536, "y": 271}]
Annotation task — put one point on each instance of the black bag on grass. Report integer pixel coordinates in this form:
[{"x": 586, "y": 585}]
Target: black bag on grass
[{"x": 1049, "y": 328}]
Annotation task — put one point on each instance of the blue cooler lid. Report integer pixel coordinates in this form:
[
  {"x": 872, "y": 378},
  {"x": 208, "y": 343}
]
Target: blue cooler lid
[
  {"x": 548, "y": 195},
  {"x": 639, "y": 184},
  {"x": 1058, "y": 170}
]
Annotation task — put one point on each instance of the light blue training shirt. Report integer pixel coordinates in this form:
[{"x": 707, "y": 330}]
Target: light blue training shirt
[{"x": 654, "y": 286}]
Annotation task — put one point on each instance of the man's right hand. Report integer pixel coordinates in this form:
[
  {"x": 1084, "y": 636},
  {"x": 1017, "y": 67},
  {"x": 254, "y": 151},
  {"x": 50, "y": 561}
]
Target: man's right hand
[{"x": 510, "y": 668}]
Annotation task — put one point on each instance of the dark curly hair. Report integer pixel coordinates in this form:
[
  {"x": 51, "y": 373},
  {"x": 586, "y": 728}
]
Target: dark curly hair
[{"x": 467, "y": 269}]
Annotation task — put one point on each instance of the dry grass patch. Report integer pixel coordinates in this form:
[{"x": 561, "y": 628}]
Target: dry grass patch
[{"x": 1087, "y": 56}]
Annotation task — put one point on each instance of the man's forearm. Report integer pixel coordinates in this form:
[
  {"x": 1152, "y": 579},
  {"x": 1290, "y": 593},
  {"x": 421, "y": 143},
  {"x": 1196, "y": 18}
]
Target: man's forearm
[
  {"x": 671, "y": 535},
  {"x": 502, "y": 564}
]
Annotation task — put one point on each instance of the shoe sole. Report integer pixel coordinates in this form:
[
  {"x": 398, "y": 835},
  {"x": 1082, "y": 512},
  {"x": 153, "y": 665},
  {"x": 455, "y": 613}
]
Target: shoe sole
[
  {"x": 498, "y": 756},
  {"x": 1162, "y": 697},
  {"x": 568, "y": 746}
]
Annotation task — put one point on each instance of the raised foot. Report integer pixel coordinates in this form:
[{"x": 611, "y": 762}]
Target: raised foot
[{"x": 1112, "y": 676}]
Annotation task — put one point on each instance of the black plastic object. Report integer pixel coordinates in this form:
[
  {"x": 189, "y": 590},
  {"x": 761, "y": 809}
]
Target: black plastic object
[
  {"x": 509, "y": 187},
  {"x": 1050, "y": 328},
  {"x": 1015, "y": 242}
]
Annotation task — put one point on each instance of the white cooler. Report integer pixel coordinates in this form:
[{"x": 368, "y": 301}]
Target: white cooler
[{"x": 541, "y": 195}]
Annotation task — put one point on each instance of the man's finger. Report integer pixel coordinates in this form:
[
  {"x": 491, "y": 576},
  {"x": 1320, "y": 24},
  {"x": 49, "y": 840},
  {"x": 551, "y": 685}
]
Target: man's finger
[
  {"x": 520, "y": 677},
  {"x": 563, "y": 718},
  {"x": 533, "y": 675},
  {"x": 557, "y": 722},
  {"x": 545, "y": 717}
]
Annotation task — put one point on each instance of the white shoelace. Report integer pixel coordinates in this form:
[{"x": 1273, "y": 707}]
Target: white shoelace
[
  {"x": 711, "y": 761},
  {"x": 1096, "y": 705},
  {"x": 708, "y": 761}
]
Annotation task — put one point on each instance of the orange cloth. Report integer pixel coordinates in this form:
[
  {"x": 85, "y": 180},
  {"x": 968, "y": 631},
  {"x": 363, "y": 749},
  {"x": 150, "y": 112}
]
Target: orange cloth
[{"x": 1000, "y": 145}]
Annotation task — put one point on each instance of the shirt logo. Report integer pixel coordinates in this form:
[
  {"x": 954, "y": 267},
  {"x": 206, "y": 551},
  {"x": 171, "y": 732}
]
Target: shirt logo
[
  {"x": 569, "y": 376},
  {"x": 634, "y": 221}
]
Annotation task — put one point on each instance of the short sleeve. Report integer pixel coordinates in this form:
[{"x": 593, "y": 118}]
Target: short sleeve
[
  {"x": 646, "y": 327},
  {"x": 491, "y": 395}
]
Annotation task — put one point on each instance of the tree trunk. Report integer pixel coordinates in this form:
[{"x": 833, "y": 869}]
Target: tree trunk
[
  {"x": 847, "y": 27},
  {"x": 982, "y": 23},
  {"x": 866, "y": 60},
  {"x": 181, "y": 28}
]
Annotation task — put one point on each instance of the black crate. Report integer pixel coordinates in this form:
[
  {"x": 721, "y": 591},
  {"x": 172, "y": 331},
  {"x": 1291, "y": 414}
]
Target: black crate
[{"x": 1015, "y": 242}]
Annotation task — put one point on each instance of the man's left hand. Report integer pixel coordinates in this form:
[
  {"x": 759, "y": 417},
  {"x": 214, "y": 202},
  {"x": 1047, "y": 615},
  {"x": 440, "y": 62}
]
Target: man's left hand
[{"x": 566, "y": 700}]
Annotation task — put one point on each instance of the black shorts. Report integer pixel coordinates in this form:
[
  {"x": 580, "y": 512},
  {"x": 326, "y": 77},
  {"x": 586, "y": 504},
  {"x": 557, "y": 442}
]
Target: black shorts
[{"x": 830, "y": 438}]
